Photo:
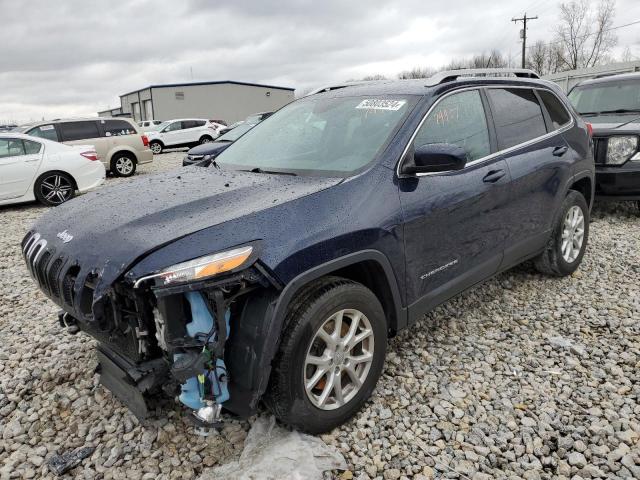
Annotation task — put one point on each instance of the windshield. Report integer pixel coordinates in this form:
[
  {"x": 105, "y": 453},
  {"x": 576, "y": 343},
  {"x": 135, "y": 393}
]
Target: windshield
[
  {"x": 320, "y": 136},
  {"x": 622, "y": 95},
  {"x": 162, "y": 125},
  {"x": 235, "y": 133}
]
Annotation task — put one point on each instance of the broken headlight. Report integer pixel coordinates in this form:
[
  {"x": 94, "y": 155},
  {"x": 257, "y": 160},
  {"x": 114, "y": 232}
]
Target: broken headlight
[
  {"x": 202, "y": 267},
  {"x": 620, "y": 149}
]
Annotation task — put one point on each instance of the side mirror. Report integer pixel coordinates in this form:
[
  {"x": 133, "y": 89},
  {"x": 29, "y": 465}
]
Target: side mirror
[{"x": 436, "y": 157}]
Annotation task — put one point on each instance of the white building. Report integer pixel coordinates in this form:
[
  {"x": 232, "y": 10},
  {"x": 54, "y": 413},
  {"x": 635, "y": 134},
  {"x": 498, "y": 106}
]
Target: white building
[{"x": 569, "y": 79}]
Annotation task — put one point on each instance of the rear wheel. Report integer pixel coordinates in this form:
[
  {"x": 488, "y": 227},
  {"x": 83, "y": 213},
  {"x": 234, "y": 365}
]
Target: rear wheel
[
  {"x": 156, "y": 147},
  {"x": 54, "y": 188},
  {"x": 330, "y": 358},
  {"x": 123, "y": 164},
  {"x": 568, "y": 242},
  {"x": 205, "y": 139}
]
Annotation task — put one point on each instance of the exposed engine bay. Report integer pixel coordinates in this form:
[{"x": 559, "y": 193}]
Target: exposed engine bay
[{"x": 202, "y": 342}]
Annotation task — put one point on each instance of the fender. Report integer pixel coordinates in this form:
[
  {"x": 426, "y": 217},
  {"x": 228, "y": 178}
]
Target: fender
[
  {"x": 263, "y": 319},
  {"x": 585, "y": 173},
  {"x": 121, "y": 148}
]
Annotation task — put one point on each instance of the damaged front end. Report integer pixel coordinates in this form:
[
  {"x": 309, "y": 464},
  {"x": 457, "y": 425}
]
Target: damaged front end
[{"x": 195, "y": 330}]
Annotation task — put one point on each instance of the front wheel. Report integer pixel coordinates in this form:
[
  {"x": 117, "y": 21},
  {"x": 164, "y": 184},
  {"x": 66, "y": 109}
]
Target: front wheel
[
  {"x": 565, "y": 249},
  {"x": 54, "y": 188},
  {"x": 205, "y": 139},
  {"x": 330, "y": 357}
]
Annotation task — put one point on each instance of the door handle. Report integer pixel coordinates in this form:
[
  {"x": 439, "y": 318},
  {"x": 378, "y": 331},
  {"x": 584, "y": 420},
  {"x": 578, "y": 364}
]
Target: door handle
[
  {"x": 32, "y": 160},
  {"x": 559, "y": 151},
  {"x": 493, "y": 176}
]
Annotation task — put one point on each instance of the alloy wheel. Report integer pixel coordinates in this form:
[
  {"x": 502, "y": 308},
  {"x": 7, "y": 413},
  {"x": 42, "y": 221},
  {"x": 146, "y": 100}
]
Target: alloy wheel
[
  {"x": 572, "y": 234},
  {"x": 56, "y": 189},
  {"x": 156, "y": 148},
  {"x": 124, "y": 165},
  {"x": 339, "y": 359}
]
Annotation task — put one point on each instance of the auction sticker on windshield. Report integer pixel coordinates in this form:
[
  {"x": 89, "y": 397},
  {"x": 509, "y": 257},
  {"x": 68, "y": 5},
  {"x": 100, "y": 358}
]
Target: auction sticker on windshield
[{"x": 381, "y": 104}]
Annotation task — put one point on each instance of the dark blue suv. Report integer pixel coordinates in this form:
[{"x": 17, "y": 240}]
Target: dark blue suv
[{"x": 278, "y": 273}]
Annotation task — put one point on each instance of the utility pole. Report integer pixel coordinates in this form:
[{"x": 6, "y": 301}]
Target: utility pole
[{"x": 523, "y": 34}]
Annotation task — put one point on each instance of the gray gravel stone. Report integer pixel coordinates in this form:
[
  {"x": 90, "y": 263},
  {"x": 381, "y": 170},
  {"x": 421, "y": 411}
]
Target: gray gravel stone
[{"x": 524, "y": 377}]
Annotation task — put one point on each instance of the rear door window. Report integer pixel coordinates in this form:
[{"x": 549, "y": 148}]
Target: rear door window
[
  {"x": 116, "y": 128},
  {"x": 517, "y": 115},
  {"x": 45, "y": 131},
  {"x": 11, "y": 147},
  {"x": 556, "y": 110},
  {"x": 458, "y": 119},
  {"x": 72, "y": 131}
]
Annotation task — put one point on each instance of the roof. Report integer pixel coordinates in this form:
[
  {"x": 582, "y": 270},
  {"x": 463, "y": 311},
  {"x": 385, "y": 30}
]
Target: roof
[
  {"x": 611, "y": 78},
  {"x": 220, "y": 82},
  {"x": 78, "y": 119}
]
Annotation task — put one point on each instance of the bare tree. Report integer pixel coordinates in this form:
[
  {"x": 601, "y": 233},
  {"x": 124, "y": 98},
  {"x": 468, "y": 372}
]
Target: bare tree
[
  {"x": 584, "y": 34},
  {"x": 416, "y": 72}
]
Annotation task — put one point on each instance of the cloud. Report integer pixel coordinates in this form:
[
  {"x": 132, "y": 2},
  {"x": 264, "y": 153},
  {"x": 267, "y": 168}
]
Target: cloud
[{"x": 75, "y": 57}]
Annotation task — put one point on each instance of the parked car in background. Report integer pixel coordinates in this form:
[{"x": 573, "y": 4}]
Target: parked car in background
[
  {"x": 203, "y": 155},
  {"x": 119, "y": 143},
  {"x": 612, "y": 105},
  {"x": 279, "y": 275},
  {"x": 149, "y": 124},
  {"x": 184, "y": 132},
  {"x": 50, "y": 172},
  {"x": 7, "y": 128},
  {"x": 252, "y": 119}
]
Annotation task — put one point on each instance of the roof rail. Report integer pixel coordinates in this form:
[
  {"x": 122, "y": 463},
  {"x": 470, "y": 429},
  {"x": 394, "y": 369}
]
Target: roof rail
[
  {"x": 336, "y": 86},
  {"x": 451, "y": 75}
]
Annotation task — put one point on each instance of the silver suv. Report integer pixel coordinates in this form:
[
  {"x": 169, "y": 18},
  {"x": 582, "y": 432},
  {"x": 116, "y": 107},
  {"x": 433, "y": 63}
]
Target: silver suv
[{"x": 118, "y": 141}]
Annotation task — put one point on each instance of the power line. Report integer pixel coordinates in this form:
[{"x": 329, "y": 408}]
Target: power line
[
  {"x": 524, "y": 34},
  {"x": 592, "y": 33}
]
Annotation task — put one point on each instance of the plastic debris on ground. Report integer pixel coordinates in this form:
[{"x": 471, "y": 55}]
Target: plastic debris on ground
[
  {"x": 60, "y": 464},
  {"x": 272, "y": 452}
]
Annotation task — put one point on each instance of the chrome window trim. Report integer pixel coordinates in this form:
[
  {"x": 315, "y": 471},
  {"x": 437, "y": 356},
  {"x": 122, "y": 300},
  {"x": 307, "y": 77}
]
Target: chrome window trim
[{"x": 493, "y": 155}]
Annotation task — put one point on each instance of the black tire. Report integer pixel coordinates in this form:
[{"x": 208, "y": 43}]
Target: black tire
[
  {"x": 156, "y": 147},
  {"x": 551, "y": 261},
  {"x": 54, "y": 188},
  {"x": 286, "y": 396},
  {"x": 123, "y": 164},
  {"x": 205, "y": 139}
]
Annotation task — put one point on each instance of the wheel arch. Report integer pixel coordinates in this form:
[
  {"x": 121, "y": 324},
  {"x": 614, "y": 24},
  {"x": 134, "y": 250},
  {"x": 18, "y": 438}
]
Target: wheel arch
[
  {"x": 113, "y": 154},
  {"x": 368, "y": 267},
  {"x": 263, "y": 320},
  {"x": 584, "y": 184},
  {"x": 49, "y": 172}
]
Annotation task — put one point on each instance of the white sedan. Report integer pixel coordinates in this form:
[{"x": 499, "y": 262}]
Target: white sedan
[{"x": 34, "y": 168}]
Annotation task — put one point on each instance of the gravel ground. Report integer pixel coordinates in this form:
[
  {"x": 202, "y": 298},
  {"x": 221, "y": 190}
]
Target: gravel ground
[{"x": 524, "y": 377}]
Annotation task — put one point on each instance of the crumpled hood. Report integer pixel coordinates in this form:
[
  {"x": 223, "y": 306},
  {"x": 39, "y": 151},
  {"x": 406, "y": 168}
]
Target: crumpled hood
[{"x": 109, "y": 229}]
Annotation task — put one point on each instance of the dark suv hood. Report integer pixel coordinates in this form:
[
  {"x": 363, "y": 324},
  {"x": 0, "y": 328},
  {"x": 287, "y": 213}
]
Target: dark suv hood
[
  {"x": 109, "y": 229},
  {"x": 615, "y": 123}
]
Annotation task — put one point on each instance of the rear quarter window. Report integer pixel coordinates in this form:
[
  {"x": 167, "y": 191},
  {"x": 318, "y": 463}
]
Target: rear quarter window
[
  {"x": 517, "y": 116},
  {"x": 31, "y": 148},
  {"x": 556, "y": 110},
  {"x": 116, "y": 128},
  {"x": 72, "y": 131}
]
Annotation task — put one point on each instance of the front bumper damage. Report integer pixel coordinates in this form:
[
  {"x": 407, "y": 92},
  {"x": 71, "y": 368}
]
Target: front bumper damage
[{"x": 207, "y": 343}]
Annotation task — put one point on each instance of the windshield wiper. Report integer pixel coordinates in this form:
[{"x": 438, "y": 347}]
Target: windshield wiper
[
  {"x": 621, "y": 110},
  {"x": 260, "y": 170}
]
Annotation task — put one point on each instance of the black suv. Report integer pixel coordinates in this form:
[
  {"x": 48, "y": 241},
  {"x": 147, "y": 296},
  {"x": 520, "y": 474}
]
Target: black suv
[
  {"x": 279, "y": 272},
  {"x": 612, "y": 105}
]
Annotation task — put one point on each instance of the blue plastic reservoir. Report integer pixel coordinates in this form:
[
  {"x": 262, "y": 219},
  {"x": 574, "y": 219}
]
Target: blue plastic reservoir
[{"x": 201, "y": 322}]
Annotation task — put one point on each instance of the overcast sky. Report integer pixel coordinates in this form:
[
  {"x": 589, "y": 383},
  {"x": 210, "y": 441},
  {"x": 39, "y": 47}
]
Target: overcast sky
[{"x": 74, "y": 57}]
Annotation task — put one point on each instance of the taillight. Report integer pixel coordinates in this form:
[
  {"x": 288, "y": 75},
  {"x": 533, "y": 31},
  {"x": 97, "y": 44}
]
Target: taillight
[
  {"x": 145, "y": 141},
  {"x": 589, "y": 129},
  {"x": 90, "y": 155}
]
